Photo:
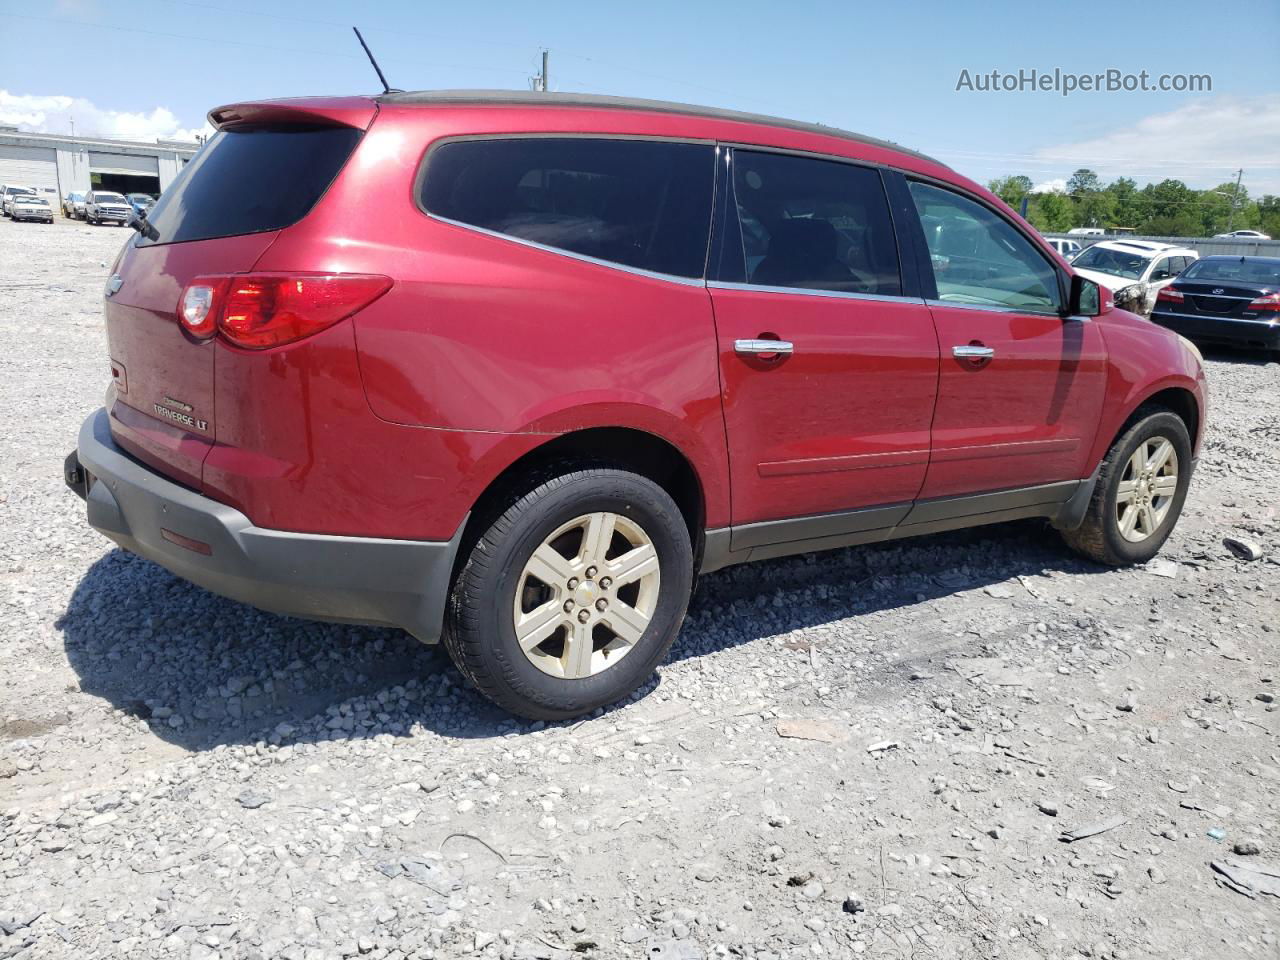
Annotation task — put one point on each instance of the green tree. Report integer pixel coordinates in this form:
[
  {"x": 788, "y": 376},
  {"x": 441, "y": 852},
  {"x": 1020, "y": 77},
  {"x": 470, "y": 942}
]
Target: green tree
[
  {"x": 1269, "y": 215},
  {"x": 1126, "y": 202},
  {"x": 1050, "y": 212},
  {"x": 1011, "y": 189},
  {"x": 1083, "y": 180},
  {"x": 1172, "y": 209}
]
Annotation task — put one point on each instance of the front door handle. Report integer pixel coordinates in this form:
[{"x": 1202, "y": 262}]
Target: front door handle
[
  {"x": 973, "y": 352},
  {"x": 763, "y": 346}
]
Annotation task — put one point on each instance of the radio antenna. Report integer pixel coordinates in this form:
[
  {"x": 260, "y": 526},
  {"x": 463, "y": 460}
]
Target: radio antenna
[{"x": 386, "y": 88}]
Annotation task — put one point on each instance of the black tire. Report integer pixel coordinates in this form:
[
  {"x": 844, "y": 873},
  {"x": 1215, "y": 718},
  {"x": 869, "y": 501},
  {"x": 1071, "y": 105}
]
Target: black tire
[
  {"x": 480, "y": 632},
  {"x": 1099, "y": 537}
]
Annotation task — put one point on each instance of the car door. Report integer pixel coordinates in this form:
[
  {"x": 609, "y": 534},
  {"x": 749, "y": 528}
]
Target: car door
[
  {"x": 1020, "y": 387},
  {"x": 829, "y": 360},
  {"x": 1159, "y": 275}
]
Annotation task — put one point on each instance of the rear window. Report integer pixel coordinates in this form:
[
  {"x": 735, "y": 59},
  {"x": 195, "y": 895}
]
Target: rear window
[
  {"x": 1265, "y": 272},
  {"x": 640, "y": 203},
  {"x": 250, "y": 181}
]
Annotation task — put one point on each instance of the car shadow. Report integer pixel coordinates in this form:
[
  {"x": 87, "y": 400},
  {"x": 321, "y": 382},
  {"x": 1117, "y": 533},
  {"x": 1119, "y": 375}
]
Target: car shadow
[
  {"x": 1250, "y": 356},
  {"x": 160, "y": 648}
]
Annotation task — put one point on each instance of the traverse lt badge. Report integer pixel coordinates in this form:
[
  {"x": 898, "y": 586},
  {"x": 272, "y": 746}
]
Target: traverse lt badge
[{"x": 182, "y": 415}]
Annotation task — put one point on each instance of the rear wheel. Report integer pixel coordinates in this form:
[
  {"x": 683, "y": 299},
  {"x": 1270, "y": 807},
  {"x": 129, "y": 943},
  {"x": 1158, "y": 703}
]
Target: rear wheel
[
  {"x": 572, "y": 596},
  {"x": 1142, "y": 485}
]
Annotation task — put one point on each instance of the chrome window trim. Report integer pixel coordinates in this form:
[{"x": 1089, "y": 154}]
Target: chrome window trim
[
  {"x": 1202, "y": 316},
  {"x": 810, "y": 292},
  {"x": 425, "y": 162},
  {"x": 994, "y": 308}
]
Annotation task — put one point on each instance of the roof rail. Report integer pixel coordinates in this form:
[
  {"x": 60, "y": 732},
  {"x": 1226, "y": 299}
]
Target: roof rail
[{"x": 537, "y": 98}]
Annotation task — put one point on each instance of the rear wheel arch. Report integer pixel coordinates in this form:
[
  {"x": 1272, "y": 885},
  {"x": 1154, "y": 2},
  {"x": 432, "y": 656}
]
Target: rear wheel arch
[{"x": 624, "y": 448}]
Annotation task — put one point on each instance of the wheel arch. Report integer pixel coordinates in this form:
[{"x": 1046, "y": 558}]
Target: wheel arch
[
  {"x": 1183, "y": 397},
  {"x": 627, "y": 448}
]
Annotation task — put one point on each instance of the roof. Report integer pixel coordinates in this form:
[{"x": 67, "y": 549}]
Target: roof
[
  {"x": 536, "y": 98},
  {"x": 65, "y": 141},
  {"x": 1151, "y": 247}
]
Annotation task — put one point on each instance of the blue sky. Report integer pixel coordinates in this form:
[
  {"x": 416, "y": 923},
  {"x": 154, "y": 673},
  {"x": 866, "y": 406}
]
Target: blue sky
[{"x": 887, "y": 69}]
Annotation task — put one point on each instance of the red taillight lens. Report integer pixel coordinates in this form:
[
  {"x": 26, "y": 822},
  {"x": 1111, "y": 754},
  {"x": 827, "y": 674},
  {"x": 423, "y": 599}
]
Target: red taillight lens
[
  {"x": 1268, "y": 304},
  {"x": 1170, "y": 295},
  {"x": 262, "y": 310}
]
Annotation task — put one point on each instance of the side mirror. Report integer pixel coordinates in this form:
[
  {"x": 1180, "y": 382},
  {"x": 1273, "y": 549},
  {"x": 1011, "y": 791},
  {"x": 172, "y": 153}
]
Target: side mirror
[{"x": 1087, "y": 299}]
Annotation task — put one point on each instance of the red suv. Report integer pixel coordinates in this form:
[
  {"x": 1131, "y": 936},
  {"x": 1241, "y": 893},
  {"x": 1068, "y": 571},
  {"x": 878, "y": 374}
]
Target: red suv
[{"x": 512, "y": 369}]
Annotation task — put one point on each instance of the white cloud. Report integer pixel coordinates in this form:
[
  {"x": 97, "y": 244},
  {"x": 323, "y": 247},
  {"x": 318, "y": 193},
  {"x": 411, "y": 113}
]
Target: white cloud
[
  {"x": 1055, "y": 185},
  {"x": 1203, "y": 143},
  {"x": 54, "y": 114}
]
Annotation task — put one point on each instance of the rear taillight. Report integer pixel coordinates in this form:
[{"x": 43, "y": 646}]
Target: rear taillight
[
  {"x": 195, "y": 311},
  {"x": 1268, "y": 304},
  {"x": 1169, "y": 295},
  {"x": 261, "y": 310}
]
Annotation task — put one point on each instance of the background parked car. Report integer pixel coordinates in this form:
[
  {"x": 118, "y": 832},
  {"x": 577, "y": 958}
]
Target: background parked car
[
  {"x": 1231, "y": 300},
  {"x": 140, "y": 202},
  {"x": 1135, "y": 270},
  {"x": 26, "y": 206},
  {"x": 1068, "y": 248},
  {"x": 9, "y": 192},
  {"x": 1242, "y": 235},
  {"x": 73, "y": 206},
  {"x": 103, "y": 206}
]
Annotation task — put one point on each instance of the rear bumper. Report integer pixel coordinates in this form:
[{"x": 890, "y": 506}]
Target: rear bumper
[
  {"x": 1262, "y": 333},
  {"x": 400, "y": 583}
]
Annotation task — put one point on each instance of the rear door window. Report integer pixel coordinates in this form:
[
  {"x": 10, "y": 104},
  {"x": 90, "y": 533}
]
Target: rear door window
[
  {"x": 639, "y": 203},
  {"x": 251, "y": 181},
  {"x": 814, "y": 224}
]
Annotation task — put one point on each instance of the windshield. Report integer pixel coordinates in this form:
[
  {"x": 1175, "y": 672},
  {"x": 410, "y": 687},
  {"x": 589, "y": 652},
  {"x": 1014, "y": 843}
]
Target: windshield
[
  {"x": 29, "y": 199},
  {"x": 1238, "y": 270},
  {"x": 107, "y": 198},
  {"x": 139, "y": 198},
  {"x": 77, "y": 197},
  {"x": 1119, "y": 263},
  {"x": 16, "y": 190}
]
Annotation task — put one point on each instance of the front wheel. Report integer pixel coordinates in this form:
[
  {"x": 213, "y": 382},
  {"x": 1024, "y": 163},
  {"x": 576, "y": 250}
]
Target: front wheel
[
  {"x": 1142, "y": 485},
  {"x": 571, "y": 597}
]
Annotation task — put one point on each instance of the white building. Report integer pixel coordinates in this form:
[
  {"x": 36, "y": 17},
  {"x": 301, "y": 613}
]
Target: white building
[{"x": 56, "y": 165}]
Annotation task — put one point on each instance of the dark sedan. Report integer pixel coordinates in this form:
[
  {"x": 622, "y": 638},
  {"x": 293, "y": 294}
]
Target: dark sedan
[{"x": 1231, "y": 300}]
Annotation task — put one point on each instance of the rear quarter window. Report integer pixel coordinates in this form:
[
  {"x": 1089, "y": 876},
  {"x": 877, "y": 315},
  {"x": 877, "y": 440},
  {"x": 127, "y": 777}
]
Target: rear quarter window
[
  {"x": 639, "y": 203},
  {"x": 250, "y": 181}
]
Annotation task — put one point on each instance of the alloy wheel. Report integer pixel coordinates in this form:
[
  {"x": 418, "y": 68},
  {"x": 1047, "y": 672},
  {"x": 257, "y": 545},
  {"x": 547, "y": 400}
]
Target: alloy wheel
[
  {"x": 586, "y": 595},
  {"x": 1147, "y": 488}
]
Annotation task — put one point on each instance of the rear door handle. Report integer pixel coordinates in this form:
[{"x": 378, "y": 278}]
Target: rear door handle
[
  {"x": 763, "y": 346},
  {"x": 972, "y": 352}
]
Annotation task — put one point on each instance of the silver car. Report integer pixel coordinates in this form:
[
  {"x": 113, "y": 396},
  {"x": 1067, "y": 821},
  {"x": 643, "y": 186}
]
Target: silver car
[
  {"x": 73, "y": 206},
  {"x": 7, "y": 195},
  {"x": 27, "y": 206},
  {"x": 105, "y": 206}
]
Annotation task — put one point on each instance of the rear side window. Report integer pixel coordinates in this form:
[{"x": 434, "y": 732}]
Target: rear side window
[
  {"x": 816, "y": 224},
  {"x": 249, "y": 181},
  {"x": 640, "y": 203}
]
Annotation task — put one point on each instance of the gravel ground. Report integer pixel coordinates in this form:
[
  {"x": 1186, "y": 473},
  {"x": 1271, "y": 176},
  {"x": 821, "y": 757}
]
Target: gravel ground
[{"x": 874, "y": 751}]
